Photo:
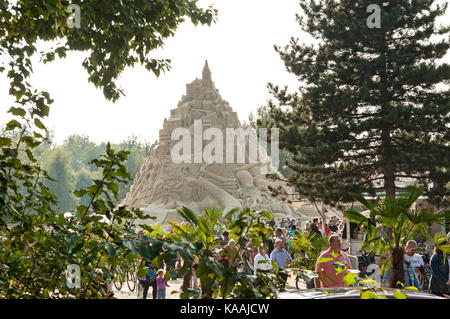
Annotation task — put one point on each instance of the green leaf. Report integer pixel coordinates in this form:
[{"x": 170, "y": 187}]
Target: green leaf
[
  {"x": 324, "y": 260},
  {"x": 362, "y": 200},
  {"x": 39, "y": 124},
  {"x": 267, "y": 215},
  {"x": 368, "y": 294},
  {"x": 4, "y": 141},
  {"x": 80, "y": 192},
  {"x": 350, "y": 279},
  {"x": 113, "y": 187},
  {"x": 13, "y": 124},
  {"x": 30, "y": 156},
  {"x": 411, "y": 288},
  {"x": 111, "y": 250},
  {"x": 354, "y": 216},
  {"x": 142, "y": 272},
  {"x": 399, "y": 295},
  {"x": 17, "y": 111}
]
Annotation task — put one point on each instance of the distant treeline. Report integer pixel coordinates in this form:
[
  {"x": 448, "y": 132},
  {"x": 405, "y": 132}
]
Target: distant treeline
[{"x": 68, "y": 164}]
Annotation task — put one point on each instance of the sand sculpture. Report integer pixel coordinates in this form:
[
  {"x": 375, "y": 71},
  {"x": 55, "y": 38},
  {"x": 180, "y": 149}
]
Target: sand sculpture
[{"x": 161, "y": 185}]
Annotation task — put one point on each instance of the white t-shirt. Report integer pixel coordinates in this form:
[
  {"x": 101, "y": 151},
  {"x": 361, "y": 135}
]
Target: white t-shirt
[
  {"x": 415, "y": 260},
  {"x": 262, "y": 266}
]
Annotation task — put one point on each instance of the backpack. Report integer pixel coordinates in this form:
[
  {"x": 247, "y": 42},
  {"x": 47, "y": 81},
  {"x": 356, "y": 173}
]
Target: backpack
[{"x": 151, "y": 275}]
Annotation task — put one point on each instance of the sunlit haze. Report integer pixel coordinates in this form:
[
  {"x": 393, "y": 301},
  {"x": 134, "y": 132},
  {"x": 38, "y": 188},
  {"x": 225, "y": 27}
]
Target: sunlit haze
[
  {"x": 239, "y": 50},
  {"x": 240, "y": 53}
]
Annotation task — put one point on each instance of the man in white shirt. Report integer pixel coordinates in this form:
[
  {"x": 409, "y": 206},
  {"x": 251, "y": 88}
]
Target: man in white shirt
[{"x": 262, "y": 256}]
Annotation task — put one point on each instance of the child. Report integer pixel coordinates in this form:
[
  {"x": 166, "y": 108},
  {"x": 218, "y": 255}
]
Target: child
[{"x": 161, "y": 285}]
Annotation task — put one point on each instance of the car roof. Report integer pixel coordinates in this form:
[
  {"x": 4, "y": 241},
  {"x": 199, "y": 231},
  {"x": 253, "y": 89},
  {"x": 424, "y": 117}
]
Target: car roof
[{"x": 350, "y": 293}]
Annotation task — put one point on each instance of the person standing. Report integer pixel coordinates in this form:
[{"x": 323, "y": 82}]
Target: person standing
[
  {"x": 292, "y": 224},
  {"x": 279, "y": 235},
  {"x": 307, "y": 226},
  {"x": 333, "y": 227},
  {"x": 271, "y": 223},
  {"x": 440, "y": 278},
  {"x": 161, "y": 285},
  {"x": 291, "y": 236},
  {"x": 262, "y": 261},
  {"x": 314, "y": 227},
  {"x": 414, "y": 259},
  {"x": 327, "y": 230},
  {"x": 225, "y": 236},
  {"x": 410, "y": 278},
  {"x": 149, "y": 281},
  {"x": 325, "y": 268},
  {"x": 248, "y": 255},
  {"x": 281, "y": 257},
  {"x": 270, "y": 245},
  {"x": 299, "y": 223},
  {"x": 282, "y": 223},
  {"x": 233, "y": 251}
]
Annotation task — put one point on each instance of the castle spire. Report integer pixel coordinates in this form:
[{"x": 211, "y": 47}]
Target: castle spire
[{"x": 206, "y": 74}]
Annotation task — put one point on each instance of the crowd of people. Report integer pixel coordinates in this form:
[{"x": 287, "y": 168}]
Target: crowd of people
[{"x": 277, "y": 250}]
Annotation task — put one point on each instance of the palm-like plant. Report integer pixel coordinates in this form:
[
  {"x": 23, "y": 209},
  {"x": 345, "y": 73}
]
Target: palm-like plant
[
  {"x": 202, "y": 247},
  {"x": 307, "y": 248},
  {"x": 391, "y": 224},
  {"x": 189, "y": 233},
  {"x": 441, "y": 241},
  {"x": 202, "y": 231}
]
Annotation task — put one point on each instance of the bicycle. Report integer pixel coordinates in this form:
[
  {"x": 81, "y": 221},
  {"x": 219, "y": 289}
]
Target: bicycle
[
  {"x": 131, "y": 280},
  {"x": 424, "y": 275},
  {"x": 309, "y": 283},
  {"x": 118, "y": 283},
  {"x": 301, "y": 263}
]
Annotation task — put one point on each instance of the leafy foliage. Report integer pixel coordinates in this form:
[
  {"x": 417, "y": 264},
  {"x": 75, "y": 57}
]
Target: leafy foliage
[
  {"x": 307, "y": 248},
  {"x": 115, "y": 34},
  {"x": 441, "y": 242},
  {"x": 391, "y": 223},
  {"x": 373, "y": 104},
  {"x": 37, "y": 244},
  {"x": 199, "y": 246}
]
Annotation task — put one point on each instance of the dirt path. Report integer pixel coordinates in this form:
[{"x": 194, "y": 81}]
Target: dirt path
[{"x": 175, "y": 286}]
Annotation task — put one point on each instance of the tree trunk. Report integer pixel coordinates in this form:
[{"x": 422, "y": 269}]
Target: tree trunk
[
  {"x": 187, "y": 280},
  {"x": 397, "y": 272},
  {"x": 389, "y": 181},
  {"x": 388, "y": 170},
  {"x": 386, "y": 142}
]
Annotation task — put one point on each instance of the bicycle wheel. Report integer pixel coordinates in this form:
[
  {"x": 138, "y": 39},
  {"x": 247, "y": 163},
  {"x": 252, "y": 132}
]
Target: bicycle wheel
[
  {"x": 118, "y": 284},
  {"x": 424, "y": 282},
  {"x": 310, "y": 284},
  {"x": 131, "y": 281}
]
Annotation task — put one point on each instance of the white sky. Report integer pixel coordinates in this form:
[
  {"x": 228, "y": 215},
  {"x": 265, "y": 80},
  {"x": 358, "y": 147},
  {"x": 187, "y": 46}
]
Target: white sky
[{"x": 239, "y": 49}]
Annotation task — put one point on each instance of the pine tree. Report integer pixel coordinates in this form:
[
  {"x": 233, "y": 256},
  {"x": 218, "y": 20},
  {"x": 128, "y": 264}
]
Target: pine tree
[{"x": 373, "y": 105}]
